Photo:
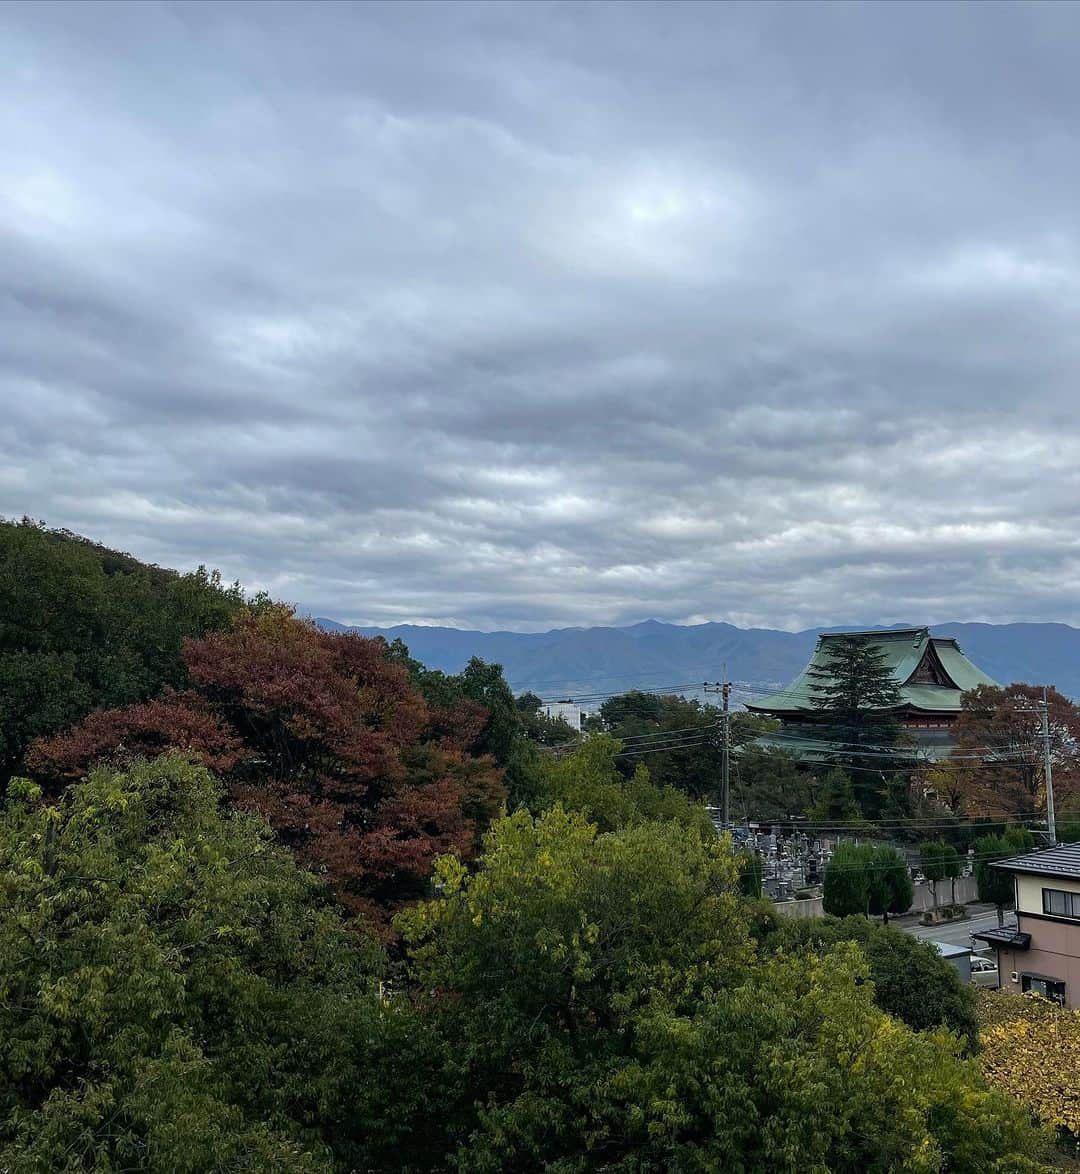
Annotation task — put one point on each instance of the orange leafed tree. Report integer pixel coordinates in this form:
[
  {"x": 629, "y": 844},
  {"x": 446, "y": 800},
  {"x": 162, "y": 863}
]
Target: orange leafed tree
[
  {"x": 999, "y": 748},
  {"x": 323, "y": 734}
]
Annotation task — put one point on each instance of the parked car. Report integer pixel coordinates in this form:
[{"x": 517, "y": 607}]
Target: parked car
[{"x": 984, "y": 972}]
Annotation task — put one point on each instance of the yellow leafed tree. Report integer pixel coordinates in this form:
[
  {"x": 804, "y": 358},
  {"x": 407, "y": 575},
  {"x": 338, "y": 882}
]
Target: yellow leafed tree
[{"x": 1031, "y": 1050}]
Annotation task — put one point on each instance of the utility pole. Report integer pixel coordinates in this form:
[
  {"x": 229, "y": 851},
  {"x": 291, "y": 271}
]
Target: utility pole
[
  {"x": 725, "y": 752},
  {"x": 1048, "y": 770},
  {"x": 724, "y": 689}
]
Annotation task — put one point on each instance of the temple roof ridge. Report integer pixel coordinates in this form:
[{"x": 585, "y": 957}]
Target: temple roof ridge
[{"x": 942, "y": 670}]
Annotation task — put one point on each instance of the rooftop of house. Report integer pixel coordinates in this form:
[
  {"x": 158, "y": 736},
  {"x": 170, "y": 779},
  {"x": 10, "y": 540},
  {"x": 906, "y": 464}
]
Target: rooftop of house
[
  {"x": 1063, "y": 860},
  {"x": 931, "y": 672},
  {"x": 949, "y": 950}
]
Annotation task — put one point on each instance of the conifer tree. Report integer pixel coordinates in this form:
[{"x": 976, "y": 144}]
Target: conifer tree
[{"x": 854, "y": 693}]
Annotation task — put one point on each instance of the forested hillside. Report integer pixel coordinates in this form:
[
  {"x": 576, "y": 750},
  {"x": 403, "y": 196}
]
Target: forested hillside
[{"x": 84, "y": 628}]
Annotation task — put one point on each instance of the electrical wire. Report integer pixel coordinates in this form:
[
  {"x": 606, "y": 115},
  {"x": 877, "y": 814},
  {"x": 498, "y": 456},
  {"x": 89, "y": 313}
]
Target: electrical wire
[
  {"x": 973, "y": 858},
  {"x": 657, "y": 691}
]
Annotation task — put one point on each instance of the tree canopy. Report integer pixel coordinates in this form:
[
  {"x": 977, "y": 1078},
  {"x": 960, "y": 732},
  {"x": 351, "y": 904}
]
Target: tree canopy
[
  {"x": 769, "y": 785},
  {"x": 865, "y": 878},
  {"x": 1031, "y": 1050},
  {"x": 994, "y": 885},
  {"x": 85, "y": 628},
  {"x": 938, "y": 862},
  {"x": 325, "y": 735},
  {"x": 910, "y": 978},
  {"x": 598, "y": 1004},
  {"x": 1001, "y": 731},
  {"x": 590, "y": 780},
  {"x": 175, "y": 995}
]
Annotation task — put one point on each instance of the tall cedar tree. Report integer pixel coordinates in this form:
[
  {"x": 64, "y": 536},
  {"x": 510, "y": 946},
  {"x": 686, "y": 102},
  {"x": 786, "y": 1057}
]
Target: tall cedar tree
[
  {"x": 854, "y": 692},
  {"x": 326, "y": 737},
  {"x": 1001, "y": 730}
]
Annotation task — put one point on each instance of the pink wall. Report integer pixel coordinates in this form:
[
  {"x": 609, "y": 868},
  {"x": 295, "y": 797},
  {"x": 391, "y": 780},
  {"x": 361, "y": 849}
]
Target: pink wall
[{"x": 1054, "y": 953}]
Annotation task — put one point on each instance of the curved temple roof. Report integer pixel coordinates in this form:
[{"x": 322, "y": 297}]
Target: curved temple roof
[{"x": 906, "y": 651}]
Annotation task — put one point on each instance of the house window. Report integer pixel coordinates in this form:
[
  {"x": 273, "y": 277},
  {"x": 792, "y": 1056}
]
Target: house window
[
  {"x": 1061, "y": 904},
  {"x": 1049, "y": 988}
]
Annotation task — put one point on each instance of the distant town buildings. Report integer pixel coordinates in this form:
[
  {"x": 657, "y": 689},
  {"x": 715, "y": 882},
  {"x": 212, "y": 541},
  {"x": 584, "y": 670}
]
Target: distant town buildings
[
  {"x": 931, "y": 673},
  {"x": 569, "y": 711}
]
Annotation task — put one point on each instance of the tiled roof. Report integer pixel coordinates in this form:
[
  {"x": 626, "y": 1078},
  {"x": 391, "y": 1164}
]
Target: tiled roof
[
  {"x": 903, "y": 649},
  {"x": 1062, "y": 860}
]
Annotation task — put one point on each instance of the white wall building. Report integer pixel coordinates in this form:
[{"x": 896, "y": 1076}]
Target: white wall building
[{"x": 569, "y": 711}]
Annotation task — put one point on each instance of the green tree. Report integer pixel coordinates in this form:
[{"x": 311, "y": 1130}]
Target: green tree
[
  {"x": 855, "y": 695},
  {"x": 538, "y": 727},
  {"x": 890, "y": 882},
  {"x": 995, "y": 886},
  {"x": 1068, "y": 823},
  {"x": 932, "y": 863},
  {"x": 953, "y": 867},
  {"x": 836, "y": 802},
  {"x": 84, "y": 628},
  {"x": 608, "y": 1012},
  {"x": 862, "y": 878},
  {"x": 749, "y": 863},
  {"x": 175, "y": 995},
  {"x": 846, "y": 888},
  {"x": 910, "y": 978},
  {"x": 769, "y": 785},
  {"x": 678, "y": 739},
  {"x": 590, "y": 780}
]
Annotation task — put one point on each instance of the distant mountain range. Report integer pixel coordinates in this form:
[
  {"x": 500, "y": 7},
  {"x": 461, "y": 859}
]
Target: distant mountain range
[{"x": 568, "y": 662}]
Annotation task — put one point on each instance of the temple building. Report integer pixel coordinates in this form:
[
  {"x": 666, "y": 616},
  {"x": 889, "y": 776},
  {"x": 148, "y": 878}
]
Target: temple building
[{"x": 931, "y": 673}]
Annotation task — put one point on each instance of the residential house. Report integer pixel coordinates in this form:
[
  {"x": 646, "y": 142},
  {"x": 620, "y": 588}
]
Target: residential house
[{"x": 1043, "y": 953}]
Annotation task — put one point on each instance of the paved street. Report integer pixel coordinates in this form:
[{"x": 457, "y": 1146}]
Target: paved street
[{"x": 959, "y": 933}]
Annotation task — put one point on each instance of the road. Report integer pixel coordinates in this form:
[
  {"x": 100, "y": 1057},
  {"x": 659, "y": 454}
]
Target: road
[{"x": 958, "y": 933}]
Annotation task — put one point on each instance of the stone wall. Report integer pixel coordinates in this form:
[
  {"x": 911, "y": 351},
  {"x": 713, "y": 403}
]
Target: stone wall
[{"x": 965, "y": 892}]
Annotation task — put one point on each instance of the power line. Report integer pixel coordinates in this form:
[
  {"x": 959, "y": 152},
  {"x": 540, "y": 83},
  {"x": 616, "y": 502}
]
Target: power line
[
  {"x": 665, "y": 733},
  {"x": 975, "y": 858},
  {"x": 840, "y": 746},
  {"x": 658, "y": 749},
  {"x": 912, "y": 823},
  {"x": 658, "y": 691},
  {"x": 901, "y": 823},
  {"x": 529, "y": 686}
]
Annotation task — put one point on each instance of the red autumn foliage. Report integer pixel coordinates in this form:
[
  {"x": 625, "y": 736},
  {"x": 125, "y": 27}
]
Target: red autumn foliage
[
  {"x": 460, "y": 726},
  {"x": 326, "y": 737},
  {"x": 173, "y": 721},
  {"x": 1000, "y": 732}
]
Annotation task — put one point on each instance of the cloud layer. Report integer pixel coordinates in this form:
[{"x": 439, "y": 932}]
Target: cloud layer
[{"x": 515, "y": 316}]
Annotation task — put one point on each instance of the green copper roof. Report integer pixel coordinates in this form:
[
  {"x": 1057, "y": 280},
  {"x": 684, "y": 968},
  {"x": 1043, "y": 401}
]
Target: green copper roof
[{"x": 904, "y": 650}]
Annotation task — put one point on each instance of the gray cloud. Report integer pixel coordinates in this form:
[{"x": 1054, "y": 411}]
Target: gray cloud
[{"x": 512, "y": 316}]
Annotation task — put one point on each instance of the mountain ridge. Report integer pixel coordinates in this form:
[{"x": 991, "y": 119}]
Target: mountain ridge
[{"x": 656, "y": 654}]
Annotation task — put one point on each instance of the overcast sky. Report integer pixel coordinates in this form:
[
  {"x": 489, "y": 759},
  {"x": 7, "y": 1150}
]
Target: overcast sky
[{"x": 546, "y": 314}]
